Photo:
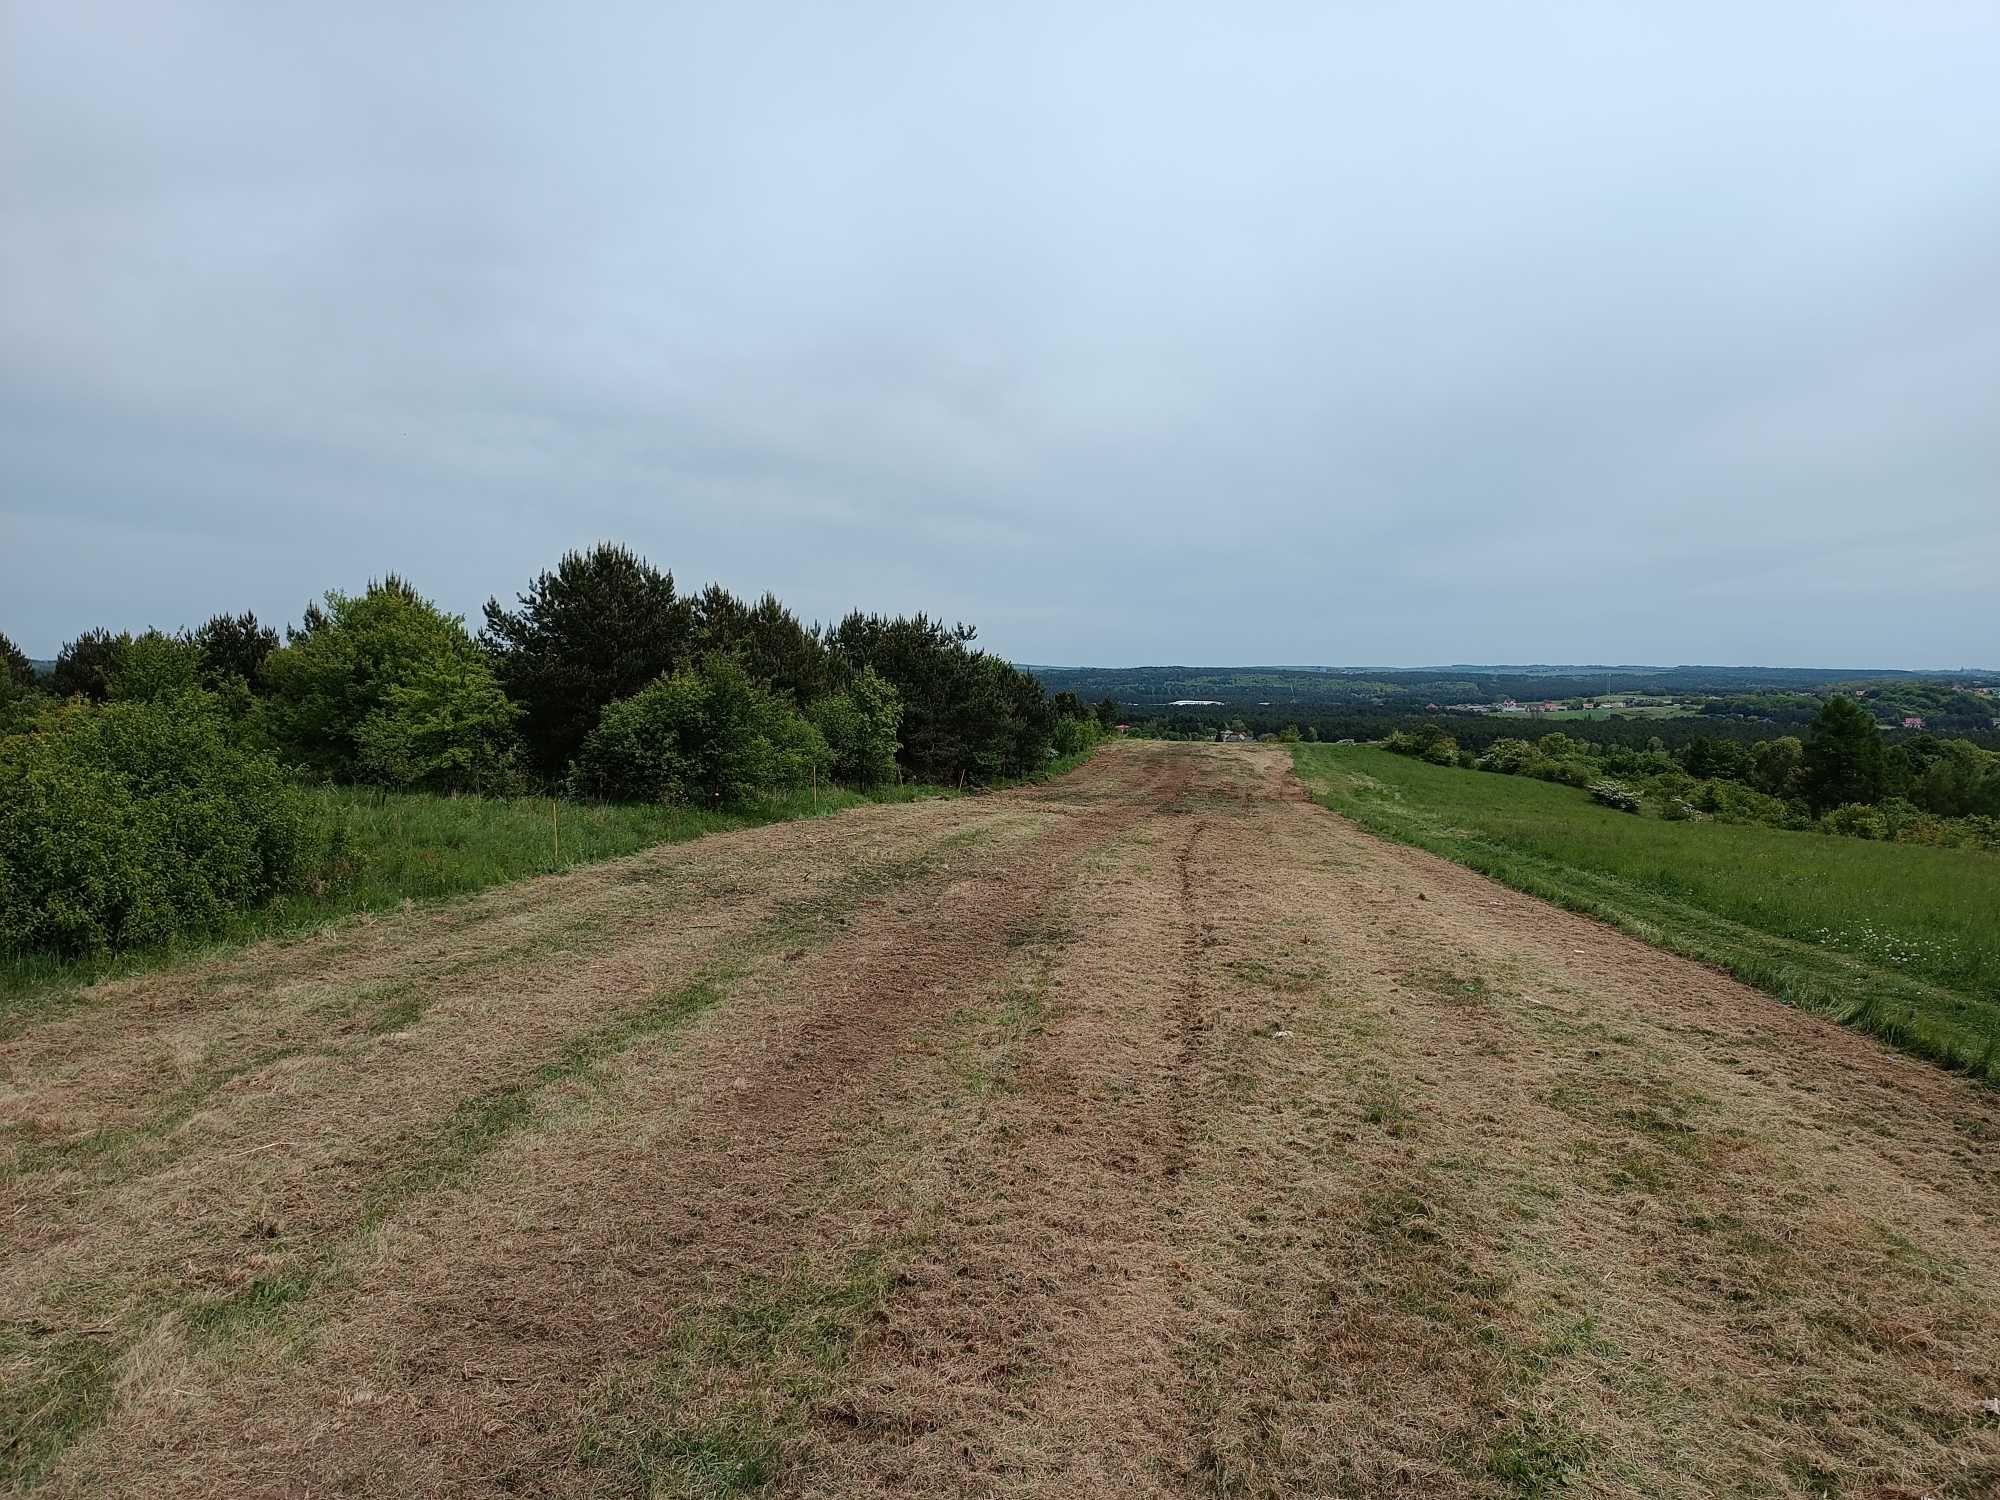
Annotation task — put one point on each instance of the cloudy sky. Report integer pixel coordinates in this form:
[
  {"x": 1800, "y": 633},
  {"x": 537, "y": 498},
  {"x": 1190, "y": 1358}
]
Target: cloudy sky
[{"x": 1354, "y": 332}]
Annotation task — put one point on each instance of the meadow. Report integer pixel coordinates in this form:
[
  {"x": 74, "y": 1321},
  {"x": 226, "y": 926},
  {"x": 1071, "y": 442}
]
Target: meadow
[{"x": 1897, "y": 939}]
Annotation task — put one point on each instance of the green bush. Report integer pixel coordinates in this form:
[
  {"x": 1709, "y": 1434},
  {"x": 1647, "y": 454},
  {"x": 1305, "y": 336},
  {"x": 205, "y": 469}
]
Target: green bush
[
  {"x": 1073, "y": 736},
  {"x": 136, "y": 823},
  {"x": 155, "y": 666},
  {"x": 706, "y": 734},
  {"x": 447, "y": 728},
  {"x": 1855, "y": 820},
  {"x": 859, "y": 724},
  {"x": 1427, "y": 742},
  {"x": 1733, "y": 802},
  {"x": 1616, "y": 794},
  {"x": 1509, "y": 757},
  {"x": 385, "y": 686}
]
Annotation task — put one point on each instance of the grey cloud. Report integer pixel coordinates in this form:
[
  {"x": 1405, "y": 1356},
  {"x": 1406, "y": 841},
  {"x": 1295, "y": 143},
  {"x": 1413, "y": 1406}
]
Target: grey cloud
[{"x": 1134, "y": 333}]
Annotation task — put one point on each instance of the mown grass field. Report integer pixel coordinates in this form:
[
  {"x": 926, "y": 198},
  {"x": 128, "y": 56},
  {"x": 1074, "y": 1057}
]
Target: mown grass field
[
  {"x": 1901, "y": 940},
  {"x": 393, "y": 847}
]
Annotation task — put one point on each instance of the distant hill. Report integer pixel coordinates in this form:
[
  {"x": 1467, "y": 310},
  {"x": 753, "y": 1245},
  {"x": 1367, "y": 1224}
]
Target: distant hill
[{"x": 1453, "y": 684}]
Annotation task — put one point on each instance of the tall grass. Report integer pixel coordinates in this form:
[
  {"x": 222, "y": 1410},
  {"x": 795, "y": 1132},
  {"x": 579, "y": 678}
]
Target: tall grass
[
  {"x": 1902, "y": 940},
  {"x": 392, "y": 847}
]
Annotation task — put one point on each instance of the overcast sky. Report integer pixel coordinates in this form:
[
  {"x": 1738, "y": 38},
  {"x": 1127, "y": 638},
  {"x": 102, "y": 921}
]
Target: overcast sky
[{"x": 1363, "y": 332}]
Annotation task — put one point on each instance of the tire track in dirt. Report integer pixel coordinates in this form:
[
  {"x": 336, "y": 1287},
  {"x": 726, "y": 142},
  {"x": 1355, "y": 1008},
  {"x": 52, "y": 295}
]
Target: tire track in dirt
[
  {"x": 1483, "y": 1199},
  {"x": 718, "y": 1150},
  {"x": 1038, "y": 1345}
]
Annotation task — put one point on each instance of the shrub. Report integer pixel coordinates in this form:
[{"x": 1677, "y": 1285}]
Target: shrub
[
  {"x": 1426, "y": 742},
  {"x": 1073, "y": 736},
  {"x": 1855, "y": 820},
  {"x": 859, "y": 725},
  {"x": 1734, "y": 802},
  {"x": 1509, "y": 757},
  {"x": 1444, "y": 752},
  {"x": 704, "y": 734},
  {"x": 447, "y": 728},
  {"x": 154, "y": 666},
  {"x": 386, "y": 686},
  {"x": 1565, "y": 772},
  {"x": 1616, "y": 794},
  {"x": 136, "y": 823}
]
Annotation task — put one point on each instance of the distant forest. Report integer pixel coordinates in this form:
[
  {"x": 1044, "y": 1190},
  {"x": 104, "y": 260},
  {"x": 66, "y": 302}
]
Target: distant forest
[{"x": 1743, "y": 704}]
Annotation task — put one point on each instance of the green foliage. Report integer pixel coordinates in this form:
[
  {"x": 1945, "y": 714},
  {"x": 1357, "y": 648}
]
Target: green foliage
[
  {"x": 1076, "y": 734},
  {"x": 15, "y": 669},
  {"x": 447, "y": 727},
  {"x": 21, "y": 698},
  {"x": 1780, "y": 766},
  {"x": 707, "y": 735},
  {"x": 387, "y": 848},
  {"x": 138, "y": 822},
  {"x": 597, "y": 629},
  {"x": 1426, "y": 742},
  {"x": 233, "y": 649},
  {"x": 1956, "y": 779},
  {"x": 1856, "y": 820},
  {"x": 1843, "y": 761},
  {"x": 387, "y": 686},
  {"x": 769, "y": 642},
  {"x": 1736, "y": 803},
  {"x": 86, "y": 666},
  {"x": 965, "y": 714},
  {"x": 1616, "y": 794},
  {"x": 155, "y": 666},
  {"x": 859, "y": 724}
]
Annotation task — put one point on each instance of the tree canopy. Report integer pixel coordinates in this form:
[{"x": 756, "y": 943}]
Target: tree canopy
[{"x": 598, "y": 627}]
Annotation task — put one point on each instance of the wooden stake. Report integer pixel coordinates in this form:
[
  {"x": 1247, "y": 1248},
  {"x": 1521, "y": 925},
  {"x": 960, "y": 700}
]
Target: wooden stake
[{"x": 555, "y": 828}]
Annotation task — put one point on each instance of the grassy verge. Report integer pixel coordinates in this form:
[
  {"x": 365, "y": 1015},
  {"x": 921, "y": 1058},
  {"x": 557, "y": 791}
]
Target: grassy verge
[
  {"x": 399, "y": 847},
  {"x": 1899, "y": 940}
]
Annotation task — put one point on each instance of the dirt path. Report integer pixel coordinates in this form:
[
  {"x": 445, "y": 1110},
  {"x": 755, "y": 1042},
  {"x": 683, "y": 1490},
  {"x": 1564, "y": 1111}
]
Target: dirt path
[{"x": 1155, "y": 1132}]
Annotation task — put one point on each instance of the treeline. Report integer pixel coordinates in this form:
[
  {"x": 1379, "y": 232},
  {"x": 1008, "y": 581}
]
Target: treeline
[
  {"x": 1149, "y": 690},
  {"x": 1843, "y": 777},
  {"x": 1473, "y": 730},
  {"x": 150, "y": 781},
  {"x": 1476, "y": 731}
]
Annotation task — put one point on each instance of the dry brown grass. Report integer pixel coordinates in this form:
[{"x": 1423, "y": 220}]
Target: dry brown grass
[{"x": 1150, "y": 1133}]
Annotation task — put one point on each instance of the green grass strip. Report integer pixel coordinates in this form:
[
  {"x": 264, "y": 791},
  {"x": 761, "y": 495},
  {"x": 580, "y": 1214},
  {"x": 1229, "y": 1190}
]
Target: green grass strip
[{"x": 1899, "y": 941}]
